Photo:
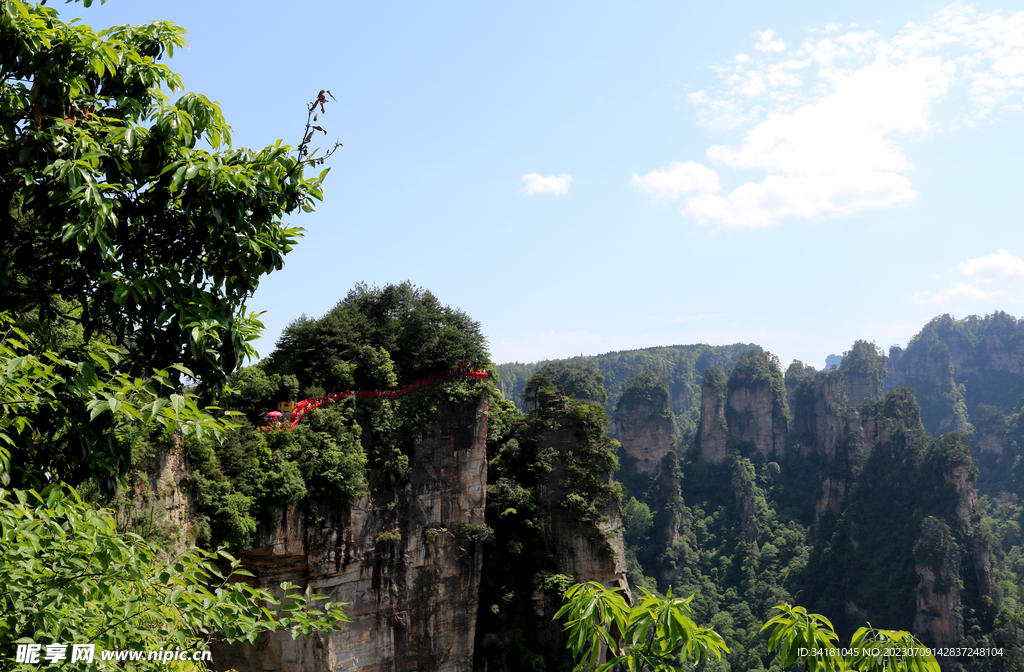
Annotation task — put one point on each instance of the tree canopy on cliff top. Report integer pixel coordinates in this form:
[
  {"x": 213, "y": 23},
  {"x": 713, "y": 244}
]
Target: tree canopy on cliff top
[{"x": 418, "y": 334}]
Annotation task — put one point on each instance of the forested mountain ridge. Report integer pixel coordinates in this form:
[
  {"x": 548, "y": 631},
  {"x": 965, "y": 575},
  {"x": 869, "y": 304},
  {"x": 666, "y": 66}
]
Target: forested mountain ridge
[
  {"x": 828, "y": 488},
  {"x": 682, "y": 365}
]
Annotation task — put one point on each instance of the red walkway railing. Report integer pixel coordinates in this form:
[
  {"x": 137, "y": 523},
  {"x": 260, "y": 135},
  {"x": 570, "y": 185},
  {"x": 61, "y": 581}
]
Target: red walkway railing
[{"x": 303, "y": 408}]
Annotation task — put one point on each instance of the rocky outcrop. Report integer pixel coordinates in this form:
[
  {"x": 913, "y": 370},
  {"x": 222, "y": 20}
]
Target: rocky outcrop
[
  {"x": 163, "y": 506},
  {"x": 829, "y": 412},
  {"x": 945, "y": 555},
  {"x": 407, "y": 563},
  {"x": 860, "y": 388},
  {"x": 833, "y": 491},
  {"x": 989, "y": 434},
  {"x": 668, "y": 502},
  {"x": 927, "y": 368},
  {"x": 743, "y": 414},
  {"x": 743, "y": 484},
  {"x": 938, "y": 617},
  {"x": 757, "y": 419},
  {"x": 712, "y": 436},
  {"x": 587, "y": 550},
  {"x": 645, "y": 432},
  {"x": 573, "y": 529}
]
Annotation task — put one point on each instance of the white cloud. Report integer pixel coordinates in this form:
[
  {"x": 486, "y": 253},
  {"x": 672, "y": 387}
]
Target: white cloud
[
  {"x": 998, "y": 273},
  {"x": 768, "y": 44},
  {"x": 828, "y": 123},
  {"x": 546, "y": 184},
  {"x": 742, "y": 58},
  {"x": 1001, "y": 266},
  {"x": 959, "y": 292},
  {"x": 679, "y": 179}
]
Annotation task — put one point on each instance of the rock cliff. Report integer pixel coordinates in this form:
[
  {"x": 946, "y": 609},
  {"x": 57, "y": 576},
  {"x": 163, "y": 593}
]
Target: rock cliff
[
  {"x": 407, "y": 562},
  {"x": 557, "y": 522},
  {"x": 713, "y": 436},
  {"x": 748, "y": 414},
  {"x": 756, "y": 419},
  {"x": 587, "y": 549},
  {"x": 162, "y": 505},
  {"x": 645, "y": 432}
]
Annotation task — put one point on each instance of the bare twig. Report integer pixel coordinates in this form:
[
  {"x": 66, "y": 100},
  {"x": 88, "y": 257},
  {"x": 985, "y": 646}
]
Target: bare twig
[{"x": 313, "y": 115}]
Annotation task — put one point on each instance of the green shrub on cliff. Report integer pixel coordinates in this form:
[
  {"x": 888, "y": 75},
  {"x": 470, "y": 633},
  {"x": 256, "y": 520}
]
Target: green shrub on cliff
[
  {"x": 648, "y": 388},
  {"x": 398, "y": 328},
  {"x": 579, "y": 380},
  {"x": 757, "y": 367},
  {"x": 865, "y": 360}
]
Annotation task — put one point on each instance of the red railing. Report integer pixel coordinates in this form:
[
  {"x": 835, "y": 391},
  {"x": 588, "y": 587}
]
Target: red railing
[{"x": 303, "y": 408}]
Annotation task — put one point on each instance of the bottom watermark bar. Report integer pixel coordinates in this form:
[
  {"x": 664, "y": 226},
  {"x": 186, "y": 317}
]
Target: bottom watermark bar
[{"x": 34, "y": 654}]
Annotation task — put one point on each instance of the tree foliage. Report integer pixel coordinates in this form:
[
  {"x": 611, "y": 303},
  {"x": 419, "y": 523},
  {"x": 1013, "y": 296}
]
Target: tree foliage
[
  {"x": 130, "y": 217},
  {"x": 809, "y": 638},
  {"x": 579, "y": 380},
  {"x": 648, "y": 388},
  {"x": 69, "y": 577},
  {"x": 378, "y": 337},
  {"x": 112, "y": 201},
  {"x": 656, "y": 634},
  {"x": 54, "y": 411}
]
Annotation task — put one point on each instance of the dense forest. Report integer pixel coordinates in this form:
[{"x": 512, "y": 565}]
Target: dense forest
[{"x": 885, "y": 490}]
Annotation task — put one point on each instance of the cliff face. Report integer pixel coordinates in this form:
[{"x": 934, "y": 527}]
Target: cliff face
[
  {"x": 927, "y": 368},
  {"x": 712, "y": 436},
  {"x": 938, "y": 617},
  {"x": 162, "y": 506},
  {"x": 584, "y": 550},
  {"x": 755, "y": 418},
  {"x": 645, "y": 433},
  {"x": 829, "y": 407},
  {"x": 407, "y": 562},
  {"x": 557, "y": 522},
  {"x": 746, "y": 415},
  {"x": 944, "y": 555}
]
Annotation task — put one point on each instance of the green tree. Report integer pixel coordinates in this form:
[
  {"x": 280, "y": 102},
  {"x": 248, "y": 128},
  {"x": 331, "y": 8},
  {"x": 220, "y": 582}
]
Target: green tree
[
  {"x": 811, "y": 639},
  {"x": 132, "y": 239},
  {"x": 69, "y": 577},
  {"x": 656, "y": 634},
  {"x": 580, "y": 380},
  {"x": 646, "y": 388},
  {"x": 130, "y": 217},
  {"x": 378, "y": 337}
]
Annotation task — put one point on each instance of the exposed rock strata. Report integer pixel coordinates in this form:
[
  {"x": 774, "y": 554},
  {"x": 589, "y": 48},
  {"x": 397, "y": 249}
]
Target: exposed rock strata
[
  {"x": 406, "y": 562},
  {"x": 645, "y": 433},
  {"x": 712, "y": 436},
  {"x": 745, "y": 416},
  {"x": 757, "y": 419},
  {"x": 162, "y": 505}
]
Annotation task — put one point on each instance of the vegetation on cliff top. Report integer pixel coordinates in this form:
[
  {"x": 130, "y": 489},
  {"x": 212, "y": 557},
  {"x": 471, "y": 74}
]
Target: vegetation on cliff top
[
  {"x": 375, "y": 338},
  {"x": 682, "y": 365}
]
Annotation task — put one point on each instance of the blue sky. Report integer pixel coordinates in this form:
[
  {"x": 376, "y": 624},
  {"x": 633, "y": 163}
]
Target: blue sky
[{"x": 583, "y": 177}]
